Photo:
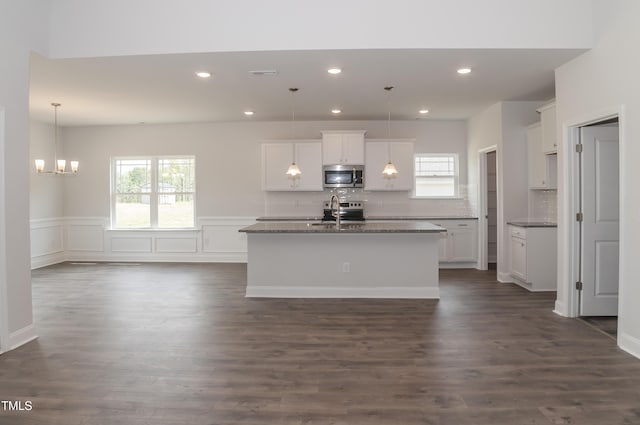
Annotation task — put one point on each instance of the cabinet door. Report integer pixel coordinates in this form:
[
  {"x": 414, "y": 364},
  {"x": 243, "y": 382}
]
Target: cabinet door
[
  {"x": 309, "y": 159},
  {"x": 518, "y": 261},
  {"x": 377, "y": 156},
  {"x": 402, "y": 157},
  {"x": 462, "y": 244},
  {"x": 443, "y": 252},
  {"x": 276, "y": 158},
  {"x": 353, "y": 148},
  {"x": 331, "y": 148},
  {"x": 536, "y": 159},
  {"x": 549, "y": 138}
]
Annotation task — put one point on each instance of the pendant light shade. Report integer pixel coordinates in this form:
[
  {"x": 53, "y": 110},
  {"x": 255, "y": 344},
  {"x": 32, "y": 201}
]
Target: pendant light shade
[
  {"x": 60, "y": 165},
  {"x": 293, "y": 171},
  {"x": 390, "y": 170}
]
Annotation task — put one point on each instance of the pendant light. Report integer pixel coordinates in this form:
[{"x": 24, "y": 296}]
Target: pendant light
[
  {"x": 390, "y": 170},
  {"x": 59, "y": 164},
  {"x": 293, "y": 171}
]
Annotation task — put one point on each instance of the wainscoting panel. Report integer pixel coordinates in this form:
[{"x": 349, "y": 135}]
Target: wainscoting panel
[
  {"x": 164, "y": 244},
  {"x": 131, "y": 244},
  {"x": 47, "y": 242},
  {"x": 216, "y": 239}
]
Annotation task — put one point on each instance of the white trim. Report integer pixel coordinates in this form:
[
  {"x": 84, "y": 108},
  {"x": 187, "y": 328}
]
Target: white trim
[
  {"x": 559, "y": 309},
  {"x": 504, "y": 277},
  {"x": 22, "y": 336},
  {"x": 483, "y": 222},
  {"x": 629, "y": 344},
  {"x": 4, "y": 304},
  {"x": 223, "y": 257},
  {"x": 260, "y": 291},
  {"x": 568, "y": 245},
  {"x": 454, "y": 265},
  {"x": 47, "y": 260}
]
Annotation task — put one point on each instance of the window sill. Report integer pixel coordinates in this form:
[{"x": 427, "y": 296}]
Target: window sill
[
  {"x": 119, "y": 229},
  {"x": 437, "y": 198}
]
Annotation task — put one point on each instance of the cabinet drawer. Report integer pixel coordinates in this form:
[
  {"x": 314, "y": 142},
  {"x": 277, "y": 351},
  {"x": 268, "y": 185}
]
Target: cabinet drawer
[{"x": 519, "y": 232}]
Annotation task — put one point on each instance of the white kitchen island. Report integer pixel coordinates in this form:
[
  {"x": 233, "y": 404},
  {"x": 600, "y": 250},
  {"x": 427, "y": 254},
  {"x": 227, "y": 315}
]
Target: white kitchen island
[{"x": 369, "y": 260}]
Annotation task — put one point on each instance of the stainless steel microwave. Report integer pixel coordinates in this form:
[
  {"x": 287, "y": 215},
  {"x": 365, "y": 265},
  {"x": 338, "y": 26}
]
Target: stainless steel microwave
[{"x": 343, "y": 176}]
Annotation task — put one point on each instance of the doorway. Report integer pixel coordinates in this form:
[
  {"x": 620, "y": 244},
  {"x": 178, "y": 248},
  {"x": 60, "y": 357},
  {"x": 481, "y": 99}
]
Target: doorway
[
  {"x": 488, "y": 208},
  {"x": 492, "y": 212},
  {"x": 4, "y": 307},
  {"x": 599, "y": 221}
]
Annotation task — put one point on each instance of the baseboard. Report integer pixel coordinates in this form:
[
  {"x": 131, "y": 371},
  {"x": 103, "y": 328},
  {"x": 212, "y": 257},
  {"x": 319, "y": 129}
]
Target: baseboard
[
  {"x": 504, "y": 277},
  {"x": 22, "y": 336},
  {"x": 223, "y": 257},
  {"x": 560, "y": 309},
  {"x": 47, "y": 260},
  {"x": 258, "y": 291},
  {"x": 629, "y": 344},
  {"x": 470, "y": 265}
]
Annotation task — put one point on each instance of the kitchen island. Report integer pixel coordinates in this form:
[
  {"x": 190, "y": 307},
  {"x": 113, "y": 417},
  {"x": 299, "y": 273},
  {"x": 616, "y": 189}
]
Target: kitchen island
[{"x": 354, "y": 260}]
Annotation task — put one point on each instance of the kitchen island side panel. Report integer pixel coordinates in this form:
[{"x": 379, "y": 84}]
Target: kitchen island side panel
[{"x": 372, "y": 265}]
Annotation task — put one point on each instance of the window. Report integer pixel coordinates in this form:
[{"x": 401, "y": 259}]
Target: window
[
  {"x": 436, "y": 175},
  {"x": 153, "y": 192}
]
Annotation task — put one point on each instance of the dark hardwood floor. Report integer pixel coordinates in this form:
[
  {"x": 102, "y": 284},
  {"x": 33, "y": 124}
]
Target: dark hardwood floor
[{"x": 179, "y": 344}]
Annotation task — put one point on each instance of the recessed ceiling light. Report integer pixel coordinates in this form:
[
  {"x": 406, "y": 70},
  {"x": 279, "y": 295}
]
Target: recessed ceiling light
[
  {"x": 203, "y": 74},
  {"x": 464, "y": 70},
  {"x": 424, "y": 111},
  {"x": 248, "y": 113},
  {"x": 334, "y": 71},
  {"x": 336, "y": 111}
]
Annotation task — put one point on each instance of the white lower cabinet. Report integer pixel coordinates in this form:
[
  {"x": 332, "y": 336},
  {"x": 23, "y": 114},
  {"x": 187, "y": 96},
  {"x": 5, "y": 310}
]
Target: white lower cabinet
[
  {"x": 533, "y": 259},
  {"x": 459, "y": 245}
]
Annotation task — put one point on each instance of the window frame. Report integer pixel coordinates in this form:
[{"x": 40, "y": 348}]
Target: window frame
[
  {"x": 154, "y": 194},
  {"x": 456, "y": 175}
]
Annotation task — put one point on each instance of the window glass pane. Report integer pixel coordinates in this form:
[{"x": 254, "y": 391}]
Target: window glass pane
[
  {"x": 435, "y": 186},
  {"x": 132, "y": 175},
  {"x": 176, "y": 175},
  {"x": 175, "y": 211},
  {"x": 436, "y": 175},
  {"x": 133, "y": 211}
]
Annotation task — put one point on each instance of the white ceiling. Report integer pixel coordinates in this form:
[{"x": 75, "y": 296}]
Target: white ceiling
[{"x": 164, "y": 88}]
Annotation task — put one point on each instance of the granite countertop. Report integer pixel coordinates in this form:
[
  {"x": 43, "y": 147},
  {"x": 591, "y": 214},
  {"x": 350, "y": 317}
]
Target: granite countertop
[
  {"x": 351, "y": 227},
  {"x": 369, "y": 217},
  {"x": 532, "y": 223}
]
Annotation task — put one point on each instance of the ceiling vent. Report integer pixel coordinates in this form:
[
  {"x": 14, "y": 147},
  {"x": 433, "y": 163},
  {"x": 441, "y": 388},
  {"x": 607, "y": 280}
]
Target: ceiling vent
[{"x": 264, "y": 72}]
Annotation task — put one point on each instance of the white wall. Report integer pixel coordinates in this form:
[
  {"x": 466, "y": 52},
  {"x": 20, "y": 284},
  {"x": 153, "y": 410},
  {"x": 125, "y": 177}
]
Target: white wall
[
  {"x": 85, "y": 27},
  {"x": 503, "y": 125},
  {"x": 599, "y": 81},
  {"x": 23, "y": 27},
  {"x": 229, "y": 191}
]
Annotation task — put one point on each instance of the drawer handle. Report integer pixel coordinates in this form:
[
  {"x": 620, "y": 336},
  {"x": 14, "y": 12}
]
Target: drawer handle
[{"x": 462, "y": 225}]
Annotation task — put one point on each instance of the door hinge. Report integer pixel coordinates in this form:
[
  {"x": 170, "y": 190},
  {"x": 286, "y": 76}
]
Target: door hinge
[
  {"x": 579, "y": 148},
  {"x": 579, "y": 286},
  {"x": 579, "y": 216}
]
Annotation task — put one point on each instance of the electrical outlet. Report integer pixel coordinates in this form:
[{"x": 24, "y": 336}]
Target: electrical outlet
[{"x": 346, "y": 267}]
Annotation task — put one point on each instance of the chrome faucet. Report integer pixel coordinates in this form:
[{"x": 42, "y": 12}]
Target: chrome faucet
[{"x": 335, "y": 213}]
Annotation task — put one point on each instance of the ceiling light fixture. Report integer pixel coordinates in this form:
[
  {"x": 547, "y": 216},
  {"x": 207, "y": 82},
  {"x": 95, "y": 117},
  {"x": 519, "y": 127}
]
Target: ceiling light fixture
[
  {"x": 293, "y": 171},
  {"x": 248, "y": 113},
  {"x": 464, "y": 71},
  {"x": 390, "y": 170},
  {"x": 336, "y": 111},
  {"x": 334, "y": 71},
  {"x": 59, "y": 164},
  {"x": 203, "y": 74},
  {"x": 423, "y": 111}
]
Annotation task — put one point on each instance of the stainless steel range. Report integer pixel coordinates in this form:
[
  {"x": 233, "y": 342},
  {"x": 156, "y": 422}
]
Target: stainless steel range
[{"x": 349, "y": 211}]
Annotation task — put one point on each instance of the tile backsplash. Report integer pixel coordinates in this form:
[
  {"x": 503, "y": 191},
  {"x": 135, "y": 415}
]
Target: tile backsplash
[
  {"x": 305, "y": 204},
  {"x": 543, "y": 205}
]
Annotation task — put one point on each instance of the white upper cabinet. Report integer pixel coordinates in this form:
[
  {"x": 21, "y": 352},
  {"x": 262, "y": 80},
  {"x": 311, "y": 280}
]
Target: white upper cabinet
[
  {"x": 343, "y": 147},
  {"x": 542, "y": 167},
  {"x": 377, "y": 154},
  {"x": 548, "y": 120},
  {"x": 276, "y": 158}
]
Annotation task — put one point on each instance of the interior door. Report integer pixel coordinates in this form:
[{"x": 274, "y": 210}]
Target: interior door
[{"x": 600, "y": 225}]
